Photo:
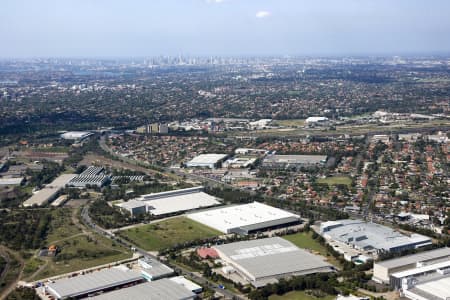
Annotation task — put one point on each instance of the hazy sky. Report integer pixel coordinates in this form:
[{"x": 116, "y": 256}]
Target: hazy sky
[{"x": 109, "y": 28}]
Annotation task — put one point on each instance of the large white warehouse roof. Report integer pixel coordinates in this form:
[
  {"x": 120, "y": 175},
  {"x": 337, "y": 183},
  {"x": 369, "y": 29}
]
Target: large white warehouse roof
[
  {"x": 227, "y": 218},
  {"x": 75, "y": 135},
  {"x": 316, "y": 119},
  {"x": 41, "y": 197},
  {"x": 435, "y": 289},
  {"x": 206, "y": 160}
]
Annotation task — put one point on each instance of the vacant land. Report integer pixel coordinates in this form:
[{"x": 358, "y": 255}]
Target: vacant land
[
  {"x": 299, "y": 295},
  {"x": 346, "y": 129},
  {"x": 290, "y": 123},
  {"x": 304, "y": 240},
  {"x": 164, "y": 234},
  {"x": 336, "y": 180},
  {"x": 54, "y": 149},
  {"x": 83, "y": 252},
  {"x": 80, "y": 248}
]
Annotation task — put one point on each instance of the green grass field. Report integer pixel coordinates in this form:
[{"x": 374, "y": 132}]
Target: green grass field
[
  {"x": 79, "y": 249},
  {"x": 157, "y": 236},
  {"x": 82, "y": 252},
  {"x": 305, "y": 240},
  {"x": 290, "y": 123},
  {"x": 335, "y": 180},
  {"x": 299, "y": 295}
]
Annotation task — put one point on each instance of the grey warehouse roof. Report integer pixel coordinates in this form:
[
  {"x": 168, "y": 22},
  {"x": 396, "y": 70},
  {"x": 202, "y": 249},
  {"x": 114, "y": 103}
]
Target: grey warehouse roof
[
  {"x": 154, "y": 268},
  {"x": 414, "y": 258},
  {"x": 295, "y": 159},
  {"x": 98, "y": 280},
  {"x": 163, "y": 289},
  {"x": 366, "y": 235},
  {"x": 271, "y": 257}
]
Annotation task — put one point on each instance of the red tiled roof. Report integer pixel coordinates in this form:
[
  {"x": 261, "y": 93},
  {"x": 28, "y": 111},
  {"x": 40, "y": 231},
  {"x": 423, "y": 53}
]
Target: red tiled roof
[{"x": 207, "y": 252}]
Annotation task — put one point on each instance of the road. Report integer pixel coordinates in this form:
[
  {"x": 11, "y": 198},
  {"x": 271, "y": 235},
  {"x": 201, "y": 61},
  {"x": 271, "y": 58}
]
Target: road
[
  {"x": 174, "y": 173},
  {"x": 87, "y": 220},
  {"x": 135, "y": 164},
  {"x": 6, "y": 253}
]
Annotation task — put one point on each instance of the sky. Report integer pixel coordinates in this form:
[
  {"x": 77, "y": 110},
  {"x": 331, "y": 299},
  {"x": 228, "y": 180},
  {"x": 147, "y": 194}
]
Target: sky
[{"x": 144, "y": 28}]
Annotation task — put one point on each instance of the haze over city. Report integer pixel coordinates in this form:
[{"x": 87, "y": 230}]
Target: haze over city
[
  {"x": 137, "y": 28},
  {"x": 225, "y": 150}
]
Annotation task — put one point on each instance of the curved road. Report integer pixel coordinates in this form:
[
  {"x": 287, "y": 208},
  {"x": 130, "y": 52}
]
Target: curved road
[{"x": 87, "y": 220}]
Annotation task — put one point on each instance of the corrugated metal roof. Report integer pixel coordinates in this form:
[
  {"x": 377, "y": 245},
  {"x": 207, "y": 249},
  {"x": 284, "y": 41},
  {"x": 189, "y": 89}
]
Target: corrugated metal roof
[
  {"x": 439, "y": 289},
  {"x": 424, "y": 269},
  {"x": 414, "y": 258},
  {"x": 271, "y": 257},
  {"x": 50, "y": 190},
  {"x": 226, "y": 218},
  {"x": 365, "y": 234},
  {"x": 154, "y": 268},
  {"x": 257, "y": 226},
  {"x": 96, "y": 281},
  {"x": 163, "y": 289}
]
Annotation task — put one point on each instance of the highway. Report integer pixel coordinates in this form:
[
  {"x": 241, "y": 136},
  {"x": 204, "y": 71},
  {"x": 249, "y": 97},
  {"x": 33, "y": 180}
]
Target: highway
[{"x": 87, "y": 220}]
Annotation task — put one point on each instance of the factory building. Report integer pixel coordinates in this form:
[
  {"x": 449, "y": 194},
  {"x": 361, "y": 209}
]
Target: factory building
[
  {"x": 370, "y": 238},
  {"x": 317, "y": 121},
  {"x": 293, "y": 161},
  {"x": 152, "y": 269},
  {"x": 76, "y": 135},
  {"x": 239, "y": 162},
  {"x": 420, "y": 274},
  {"x": 170, "y": 202},
  {"x": 11, "y": 181},
  {"x": 49, "y": 192},
  {"x": 246, "y": 219},
  {"x": 92, "y": 176},
  {"x": 265, "y": 261},
  {"x": 159, "y": 289},
  {"x": 250, "y": 151},
  {"x": 434, "y": 289},
  {"x": 383, "y": 269},
  {"x": 210, "y": 160},
  {"x": 191, "y": 286},
  {"x": 134, "y": 207},
  {"x": 91, "y": 283}
]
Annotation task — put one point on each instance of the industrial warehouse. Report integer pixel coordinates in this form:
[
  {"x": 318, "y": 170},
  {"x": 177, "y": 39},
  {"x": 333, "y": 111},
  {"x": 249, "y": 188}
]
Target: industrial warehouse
[
  {"x": 166, "y": 203},
  {"x": 370, "y": 238},
  {"x": 160, "y": 289},
  {"x": 92, "y": 176},
  {"x": 211, "y": 161},
  {"x": 76, "y": 135},
  {"x": 120, "y": 282},
  {"x": 49, "y": 192},
  {"x": 383, "y": 269},
  {"x": 293, "y": 161},
  {"x": 84, "y": 285},
  {"x": 264, "y": 261},
  {"x": 152, "y": 269},
  {"x": 437, "y": 289},
  {"x": 245, "y": 219}
]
